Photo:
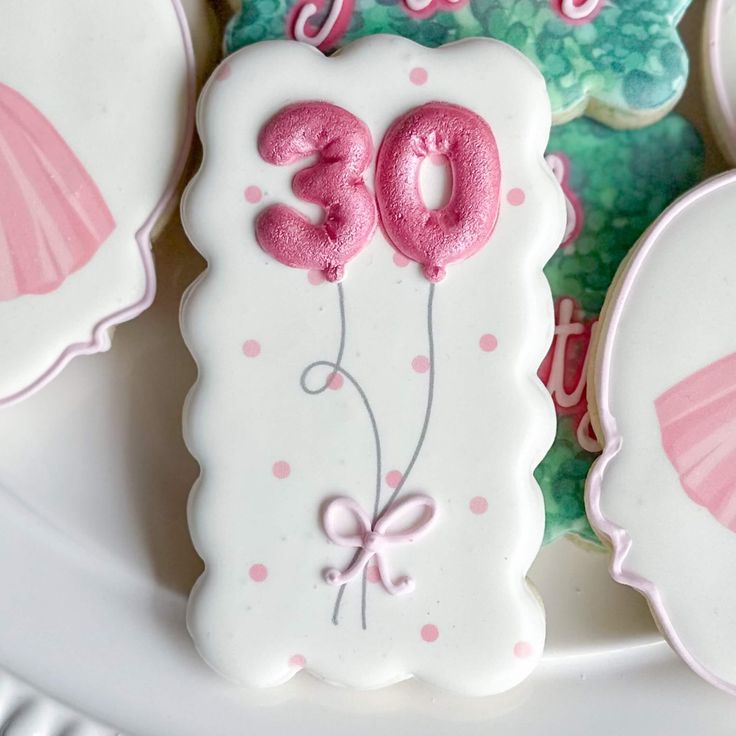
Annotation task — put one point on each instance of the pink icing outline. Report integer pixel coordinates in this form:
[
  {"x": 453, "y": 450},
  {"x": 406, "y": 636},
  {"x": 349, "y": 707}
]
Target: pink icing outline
[
  {"x": 619, "y": 537},
  {"x": 557, "y": 7},
  {"x": 712, "y": 30},
  {"x": 436, "y": 6},
  {"x": 100, "y": 340}
]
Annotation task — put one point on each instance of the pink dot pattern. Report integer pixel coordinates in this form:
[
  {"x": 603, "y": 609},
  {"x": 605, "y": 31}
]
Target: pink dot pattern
[
  {"x": 297, "y": 660},
  {"x": 418, "y": 75},
  {"x": 515, "y": 197},
  {"x": 400, "y": 260},
  {"x": 523, "y": 649},
  {"x": 258, "y": 572},
  {"x": 488, "y": 343},
  {"x": 430, "y": 633},
  {"x": 335, "y": 381},
  {"x": 478, "y": 505},
  {"x": 315, "y": 277},
  {"x": 281, "y": 469},
  {"x": 251, "y": 348},
  {"x": 253, "y": 194},
  {"x": 393, "y": 478},
  {"x": 420, "y": 364}
]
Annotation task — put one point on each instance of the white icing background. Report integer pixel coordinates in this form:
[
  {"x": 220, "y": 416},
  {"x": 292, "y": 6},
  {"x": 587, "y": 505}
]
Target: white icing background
[{"x": 104, "y": 593}]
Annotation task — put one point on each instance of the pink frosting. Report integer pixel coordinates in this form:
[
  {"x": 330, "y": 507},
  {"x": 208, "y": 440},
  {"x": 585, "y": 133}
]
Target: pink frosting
[
  {"x": 697, "y": 419},
  {"x": 375, "y": 540},
  {"x": 435, "y": 238},
  {"x": 334, "y": 182},
  {"x": 53, "y": 217}
]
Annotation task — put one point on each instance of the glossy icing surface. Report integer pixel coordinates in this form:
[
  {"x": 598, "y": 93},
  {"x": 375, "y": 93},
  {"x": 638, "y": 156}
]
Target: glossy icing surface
[
  {"x": 380, "y": 388},
  {"x": 590, "y": 55},
  {"x": 91, "y": 145},
  {"x": 663, "y": 490},
  {"x": 616, "y": 184}
]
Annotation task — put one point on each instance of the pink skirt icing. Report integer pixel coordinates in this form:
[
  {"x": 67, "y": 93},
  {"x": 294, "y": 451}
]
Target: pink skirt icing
[
  {"x": 697, "y": 419},
  {"x": 53, "y": 217}
]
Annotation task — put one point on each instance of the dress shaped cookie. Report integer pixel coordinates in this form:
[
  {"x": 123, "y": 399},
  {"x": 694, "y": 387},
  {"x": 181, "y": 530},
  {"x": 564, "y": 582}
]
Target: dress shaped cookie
[
  {"x": 616, "y": 184},
  {"x": 620, "y": 61},
  {"x": 719, "y": 68},
  {"x": 663, "y": 492},
  {"x": 91, "y": 145},
  {"x": 367, "y": 415}
]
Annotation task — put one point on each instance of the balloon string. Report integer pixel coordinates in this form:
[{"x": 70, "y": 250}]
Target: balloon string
[
  {"x": 337, "y": 368},
  {"x": 428, "y": 410}
]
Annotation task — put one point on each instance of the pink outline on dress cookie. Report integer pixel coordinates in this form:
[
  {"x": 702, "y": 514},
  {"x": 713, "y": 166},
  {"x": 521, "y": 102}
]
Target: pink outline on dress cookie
[
  {"x": 100, "y": 339},
  {"x": 619, "y": 537}
]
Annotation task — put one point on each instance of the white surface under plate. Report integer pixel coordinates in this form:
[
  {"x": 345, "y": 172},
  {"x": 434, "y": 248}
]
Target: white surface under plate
[{"x": 96, "y": 563}]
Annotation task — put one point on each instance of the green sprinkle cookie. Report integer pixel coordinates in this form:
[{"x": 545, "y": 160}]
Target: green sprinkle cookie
[
  {"x": 616, "y": 183},
  {"x": 619, "y": 61}
]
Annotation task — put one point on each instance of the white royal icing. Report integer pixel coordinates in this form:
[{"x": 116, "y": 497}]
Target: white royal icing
[
  {"x": 97, "y": 92},
  {"x": 720, "y": 72},
  {"x": 663, "y": 491},
  {"x": 454, "y": 609}
]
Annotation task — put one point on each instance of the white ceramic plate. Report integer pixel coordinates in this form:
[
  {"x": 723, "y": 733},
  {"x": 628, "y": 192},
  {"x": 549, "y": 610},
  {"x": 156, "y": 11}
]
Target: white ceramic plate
[{"x": 96, "y": 562}]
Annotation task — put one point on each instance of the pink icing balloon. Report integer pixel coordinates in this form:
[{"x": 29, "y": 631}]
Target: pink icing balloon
[
  {"x": 435, "y": 238},
  {"x": 335, "y": 182}
]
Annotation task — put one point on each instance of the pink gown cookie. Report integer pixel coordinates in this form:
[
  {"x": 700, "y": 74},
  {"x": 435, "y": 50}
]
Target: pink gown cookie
[
  {"x": 368, "y": 415},
  {"x": 91, "y": 146},
  {"x": 664, "y": 490}
]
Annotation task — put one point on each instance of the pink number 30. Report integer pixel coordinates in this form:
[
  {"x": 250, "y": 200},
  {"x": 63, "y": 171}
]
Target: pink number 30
[{"x": 432, "y": 238}]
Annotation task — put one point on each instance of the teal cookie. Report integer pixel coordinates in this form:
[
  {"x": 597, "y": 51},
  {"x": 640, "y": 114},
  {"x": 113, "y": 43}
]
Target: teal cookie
[
  {"x": 620, "y": 61},
  {"x": 616, "y": 183}
]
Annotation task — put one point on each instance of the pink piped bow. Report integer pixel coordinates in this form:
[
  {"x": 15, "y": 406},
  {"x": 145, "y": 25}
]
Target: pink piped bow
[
  {"x": 374, "y": 540},
  {"x": 697, "y": 419}
]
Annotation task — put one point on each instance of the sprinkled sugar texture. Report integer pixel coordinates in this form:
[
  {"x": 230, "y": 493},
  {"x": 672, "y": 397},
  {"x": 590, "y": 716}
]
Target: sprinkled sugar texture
[{"x": 623, "y": 61}]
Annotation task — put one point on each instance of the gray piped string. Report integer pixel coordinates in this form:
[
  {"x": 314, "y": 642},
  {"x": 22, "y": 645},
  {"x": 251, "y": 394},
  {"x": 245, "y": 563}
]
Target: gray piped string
[
  {"x": 337, "y": 368},
  {"x": 428, "y": 411}
]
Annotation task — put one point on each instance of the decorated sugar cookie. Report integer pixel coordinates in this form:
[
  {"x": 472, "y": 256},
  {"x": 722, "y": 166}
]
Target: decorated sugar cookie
[
  {"x": 91, "y": 144},
  {"x": 719, "y": 67},
  {"x": 663, "y": 491},
  {"x": 368, "y": 415},
  {"x": 616, "y": 183},
  {"x": 620, "y": 61}
]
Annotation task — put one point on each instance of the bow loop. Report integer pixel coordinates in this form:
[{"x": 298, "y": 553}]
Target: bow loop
[{"x": 372, "y": 540}]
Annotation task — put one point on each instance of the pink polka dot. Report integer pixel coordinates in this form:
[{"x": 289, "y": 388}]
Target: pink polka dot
[
  {"x": 418, "y": 75},
  {"x": 335, "y": 381},
  {"x": 478, "y": 505},
  {"x": 297, "y": 660},
  {"x": 420, "y": 364},
  {"x": 281, "y": 469},
  {"x": 523, "y": 649},
  {"x": 372, "y": 574},
  {"x": 488, "y": 343},
  {"x": 430, "y": 633},
  {"x": 253, "y": 194},
  {"x": 315, "y": 277},
  {"x": 223, "y": 72},
  {"x": 393, "y": 478},
  {"x": 251, "y": 348},
  {"x": 400, "y": 260},
  {"x": 258, "y": 573},
  {"x": 516, "y": 197}
]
